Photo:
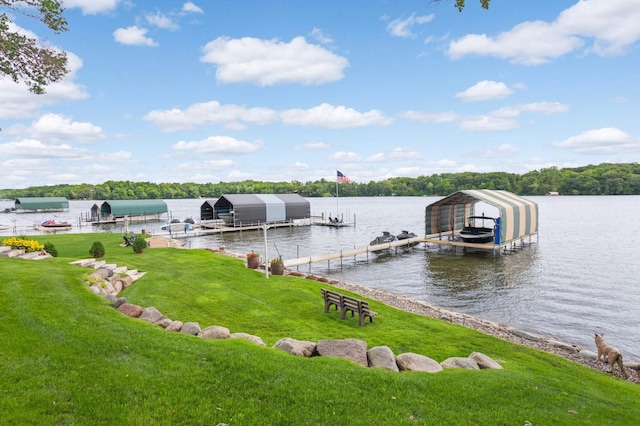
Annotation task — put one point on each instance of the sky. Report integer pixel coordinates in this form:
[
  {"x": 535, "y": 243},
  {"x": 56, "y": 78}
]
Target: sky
[{"x": 288, "y": 90}]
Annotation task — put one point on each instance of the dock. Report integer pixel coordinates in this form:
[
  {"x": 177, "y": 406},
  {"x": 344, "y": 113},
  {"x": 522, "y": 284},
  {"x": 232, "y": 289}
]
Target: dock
[{"x": 443, "y": 239}]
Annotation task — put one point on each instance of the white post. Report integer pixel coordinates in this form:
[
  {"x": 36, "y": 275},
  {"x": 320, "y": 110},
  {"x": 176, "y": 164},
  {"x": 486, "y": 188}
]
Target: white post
[{"x": 266, "y": 257}]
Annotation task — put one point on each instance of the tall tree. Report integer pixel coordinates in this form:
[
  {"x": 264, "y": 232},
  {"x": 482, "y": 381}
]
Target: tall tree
[{"x": 23, "y": 57}]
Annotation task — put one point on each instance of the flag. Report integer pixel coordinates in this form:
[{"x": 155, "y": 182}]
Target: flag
[{"x": 342, "y": 178}]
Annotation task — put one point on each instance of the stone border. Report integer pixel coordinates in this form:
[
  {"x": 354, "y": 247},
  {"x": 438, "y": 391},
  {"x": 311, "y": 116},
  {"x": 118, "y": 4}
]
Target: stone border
[{"x": 109, "y": 279}]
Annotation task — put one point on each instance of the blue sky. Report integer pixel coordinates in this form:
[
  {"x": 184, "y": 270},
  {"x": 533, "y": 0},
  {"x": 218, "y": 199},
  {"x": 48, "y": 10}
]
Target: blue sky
[{"x": 228, "y": 90}]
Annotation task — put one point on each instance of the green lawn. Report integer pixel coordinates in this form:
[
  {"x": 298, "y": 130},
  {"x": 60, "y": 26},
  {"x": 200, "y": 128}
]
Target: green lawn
[{"x": 67, "y": 357}]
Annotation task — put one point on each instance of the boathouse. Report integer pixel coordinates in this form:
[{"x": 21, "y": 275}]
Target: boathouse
[
  {"x": 117, "y": 209},
  {"x": 207, "y": 210},
  {"x": 253, "y": 209},
  {"x": 41, "y": 204},
  {"x": 518, "y": 216}
]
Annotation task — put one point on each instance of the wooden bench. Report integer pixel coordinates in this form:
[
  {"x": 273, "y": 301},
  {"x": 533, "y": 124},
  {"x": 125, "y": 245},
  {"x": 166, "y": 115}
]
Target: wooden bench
[{"x": 347, "y": 304}]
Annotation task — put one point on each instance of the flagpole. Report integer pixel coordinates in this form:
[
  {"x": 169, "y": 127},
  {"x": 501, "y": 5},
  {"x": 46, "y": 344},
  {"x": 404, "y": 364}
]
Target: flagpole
[{"x": 337, "y": 207}]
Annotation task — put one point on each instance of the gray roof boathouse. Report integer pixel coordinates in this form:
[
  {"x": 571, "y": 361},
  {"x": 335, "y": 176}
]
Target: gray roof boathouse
[{"x": 254, "y": 209}]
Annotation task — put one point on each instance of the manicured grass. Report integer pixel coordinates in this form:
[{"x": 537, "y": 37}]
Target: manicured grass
[{"x": 67, "y": 357}]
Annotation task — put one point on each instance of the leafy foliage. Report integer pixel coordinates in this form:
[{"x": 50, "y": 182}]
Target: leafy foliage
[
  {"x": 139, "y": 245},
  {"x": 51, "y": 249},
  {"x": 24, "y": 58},
  {"x": 21, "y": 243},
  {"x": 97, "y": 250}
]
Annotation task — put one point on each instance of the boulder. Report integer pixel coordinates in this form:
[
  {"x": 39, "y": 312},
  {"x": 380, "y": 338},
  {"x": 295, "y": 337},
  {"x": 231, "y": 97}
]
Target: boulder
[
  {"x": 174, "y": 326},
  {"x": 484, "y": 361},
  {"x": 126, "y": 281},
  {"x": 214, "y": 332},
  {"x": 119, "y": 301},
  {"x": 459, "y": 362},
  {"x": 588, "y": 354},
  {"x": 190, "y": 328},
  {"x": 133, "y": 311},
  {"x": 353, "y": 349},
  {"x": 383, "y": 357},
  {"x": 104, "y": 272},
  {"x": 564, "y": 346},
  {"x": 416, "y": 362},
  {"x": 164, "y": 322},
  {"x": 255, "y": 339},
  {"x": 296, "y": 347},
  {"x": 151, "y": 315}
]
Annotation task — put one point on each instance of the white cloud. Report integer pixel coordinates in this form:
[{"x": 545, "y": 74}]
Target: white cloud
[
  {"x": 611, "y": 25},
  {"x": 162, "y": 21},
  {"x": 271, "y": 62},
  {"x": 430, "y": 117},
  {"x": 608, "y": 140},
  {"x": 92, "y": 7},
  {"x": 484, "y": 91},
  {"x": 396, "y": 154},
  {"x": 544, "y": 107},
  {"x": 54, "y": 128},
  {"x": 190, "y": 7},
  {"x": 237, "y": 117},
  {"x": 320, "y": 36},
  {"x": 504, "y": 150},
  {"x": 219, "y": 144},
  {"x": 232, "y": 116},
  {"x": 17, "y": 102},
  {"x": 133, "y": 36},
  {"x": 487, "y": 123},
  {"x": 404, "y": 27},
  {"x": 312, "y": 146},
  {"x": 32, "y": 148},
  {"x": 334, "y": 117}
]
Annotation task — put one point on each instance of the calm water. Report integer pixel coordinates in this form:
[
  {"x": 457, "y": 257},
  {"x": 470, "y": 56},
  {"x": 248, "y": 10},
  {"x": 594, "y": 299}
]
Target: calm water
[{"x": 579, "y": 276}]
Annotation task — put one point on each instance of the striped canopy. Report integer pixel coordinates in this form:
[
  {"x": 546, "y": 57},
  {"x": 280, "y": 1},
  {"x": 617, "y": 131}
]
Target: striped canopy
[{"x": 518, "y": 216}]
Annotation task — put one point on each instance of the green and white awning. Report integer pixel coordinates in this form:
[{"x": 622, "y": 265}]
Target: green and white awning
[{"x": 518, "y": 216}]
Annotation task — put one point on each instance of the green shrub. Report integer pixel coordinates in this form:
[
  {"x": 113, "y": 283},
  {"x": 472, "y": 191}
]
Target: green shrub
[
  {"x": 97, "y": 250},
  {"x": 139, "y": 245},
  {"x": 51, "y": 249}
]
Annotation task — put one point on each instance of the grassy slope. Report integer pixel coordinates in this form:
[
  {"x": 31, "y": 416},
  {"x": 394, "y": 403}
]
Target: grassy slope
[{"x": 67, "y": 357}]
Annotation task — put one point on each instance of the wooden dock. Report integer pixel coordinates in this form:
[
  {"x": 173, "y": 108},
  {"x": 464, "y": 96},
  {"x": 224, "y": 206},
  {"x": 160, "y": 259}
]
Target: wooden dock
[{"x": 443, "y": 239}]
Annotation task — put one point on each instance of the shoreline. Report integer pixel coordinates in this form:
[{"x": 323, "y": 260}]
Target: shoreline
[{"x": 569, "y": 351}]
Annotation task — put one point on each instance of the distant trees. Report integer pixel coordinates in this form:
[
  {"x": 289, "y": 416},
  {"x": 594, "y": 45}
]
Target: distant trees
[{"x": 603, "y": 179}]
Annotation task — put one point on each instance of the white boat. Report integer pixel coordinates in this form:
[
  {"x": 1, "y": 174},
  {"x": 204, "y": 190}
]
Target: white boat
[
  {"x": 177, "y": 227},
  {"x": 478, "y": 234}
]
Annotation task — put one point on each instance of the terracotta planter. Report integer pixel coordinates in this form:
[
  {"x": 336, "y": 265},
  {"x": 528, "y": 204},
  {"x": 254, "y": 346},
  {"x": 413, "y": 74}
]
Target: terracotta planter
[
  {"x": 253, "y": 262},
  {"x": 277, "y": 269}
]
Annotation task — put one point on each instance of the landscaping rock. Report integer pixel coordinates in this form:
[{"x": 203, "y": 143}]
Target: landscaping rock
[
  {"x": 104, "y": 272},
  {"x": 164, "y": 322},
  {"x": 484, "y": 361},
  {"x": 382, "y": 357},
  {"x": 133, "y": 311},
  {"x": 564, "y": 346},
  {"x": 459, "y": 362},
  {"x": 296, "y": 347},
  {"x": 191, "y": 328},
  {"x": 588, "y": 354},
  {"x": 126, "y": 281},
  {"x": 255, "y": 339},
  {"x": 151, "y": 315},
  {"x": 416, "y": 362},
  {"x": 353, "y": 349},
  {"x": 119, "y": 301},
  {"x": 214, "y": 332},
  {"x": 174, "y": 326}
]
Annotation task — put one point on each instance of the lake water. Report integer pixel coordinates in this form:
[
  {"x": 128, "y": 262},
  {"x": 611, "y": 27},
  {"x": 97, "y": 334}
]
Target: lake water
[{"x": 579, "y": 276}]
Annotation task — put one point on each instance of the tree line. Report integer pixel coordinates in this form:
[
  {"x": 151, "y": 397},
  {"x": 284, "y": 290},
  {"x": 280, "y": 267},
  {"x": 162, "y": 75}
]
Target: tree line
[{"x": 602, "y": 179}]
